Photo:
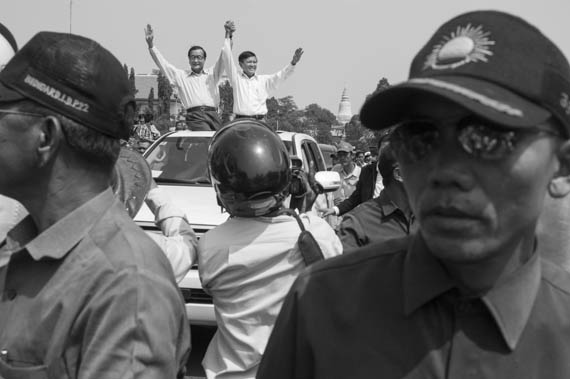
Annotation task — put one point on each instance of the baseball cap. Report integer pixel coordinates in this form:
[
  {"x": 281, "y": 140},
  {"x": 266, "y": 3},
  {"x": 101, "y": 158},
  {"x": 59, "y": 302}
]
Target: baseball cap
[
  {"x": 73, "y": 76},
  {"x": 344, "y": 146},
  {"x": 495, "y": 64}
]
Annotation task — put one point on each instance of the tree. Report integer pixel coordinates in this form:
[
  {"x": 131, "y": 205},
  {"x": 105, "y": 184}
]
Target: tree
[
  {"x": 283, "y": 114},
  {"x": 226, "y": 101},
  {"x": 132, "y": 83},
  {"x": 317, "y": 122},
  {"x": 381, "y": 86},
  {"x": 164, "y": 93},
  {"x": 359, "y": 136},
  {"x": 151, "y": 100}
]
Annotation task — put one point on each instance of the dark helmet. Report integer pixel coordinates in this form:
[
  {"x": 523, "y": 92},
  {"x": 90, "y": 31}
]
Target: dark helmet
[{"x": 250, "y": 168}]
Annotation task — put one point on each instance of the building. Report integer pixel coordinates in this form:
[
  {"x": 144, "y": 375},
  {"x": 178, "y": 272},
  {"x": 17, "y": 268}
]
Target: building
[
  {"x": 343, "y": 117},
  {"x": 143, "y": 84}
]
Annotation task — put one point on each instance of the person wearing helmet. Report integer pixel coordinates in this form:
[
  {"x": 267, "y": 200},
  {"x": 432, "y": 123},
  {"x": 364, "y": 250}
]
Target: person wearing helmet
[{"x": 248, "y": 263}]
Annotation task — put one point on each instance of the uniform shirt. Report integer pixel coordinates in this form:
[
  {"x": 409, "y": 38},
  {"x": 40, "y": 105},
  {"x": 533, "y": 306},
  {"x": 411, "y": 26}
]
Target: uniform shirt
[
  {"x": 90, "y": 297},
  {"x": 349, "y": 181},
  {"x": 375, "y": 220},
  {"x": 250, "y": 94},
  {"x": 248, "y": 266},
  {"x": 391, "y": 311},
  {"x": 193, "y": 89}
]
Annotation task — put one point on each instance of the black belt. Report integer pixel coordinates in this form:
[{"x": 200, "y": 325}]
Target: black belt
[
  {"x": 254, "y": 116},
  {"x": 202, "y": 108}
]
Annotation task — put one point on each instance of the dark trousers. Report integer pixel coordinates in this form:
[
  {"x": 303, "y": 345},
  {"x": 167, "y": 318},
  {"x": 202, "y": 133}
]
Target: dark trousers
[{"x": 203, "y": 120}]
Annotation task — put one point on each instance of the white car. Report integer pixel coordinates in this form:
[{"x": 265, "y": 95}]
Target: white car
[{"x": 179, "y": 165}]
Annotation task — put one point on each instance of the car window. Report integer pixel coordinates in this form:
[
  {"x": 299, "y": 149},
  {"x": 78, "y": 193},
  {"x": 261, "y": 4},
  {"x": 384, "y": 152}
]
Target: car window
[
  {"x": 180, "y": 160},
  {"x": 308, "y": 157},
  {"x": 319, "y": 163}
]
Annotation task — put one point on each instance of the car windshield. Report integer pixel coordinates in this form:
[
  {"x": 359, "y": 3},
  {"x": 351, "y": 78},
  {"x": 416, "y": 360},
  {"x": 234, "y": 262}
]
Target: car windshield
[{"x": 180, "y": 160}]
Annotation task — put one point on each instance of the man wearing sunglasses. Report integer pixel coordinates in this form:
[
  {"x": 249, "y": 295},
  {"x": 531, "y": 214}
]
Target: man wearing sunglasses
[{"x": 484, "y": 121}]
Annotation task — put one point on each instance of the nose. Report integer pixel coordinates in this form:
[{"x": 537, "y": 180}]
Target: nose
[{"x": 451, "y": 167}]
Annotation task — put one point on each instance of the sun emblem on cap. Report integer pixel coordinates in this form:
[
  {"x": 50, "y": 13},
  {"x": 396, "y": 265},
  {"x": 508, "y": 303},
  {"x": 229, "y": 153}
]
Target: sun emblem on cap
[{"x": 466, "y": 44}]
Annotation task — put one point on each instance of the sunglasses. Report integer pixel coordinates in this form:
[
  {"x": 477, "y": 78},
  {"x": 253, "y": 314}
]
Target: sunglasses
[{"x": 414, "y": 140}]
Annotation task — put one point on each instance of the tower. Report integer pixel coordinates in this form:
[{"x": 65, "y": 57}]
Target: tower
[{"x": 344, "y": 109}]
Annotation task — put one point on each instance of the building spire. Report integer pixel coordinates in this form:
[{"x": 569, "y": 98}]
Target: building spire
[{"x": 344, "y": 109}]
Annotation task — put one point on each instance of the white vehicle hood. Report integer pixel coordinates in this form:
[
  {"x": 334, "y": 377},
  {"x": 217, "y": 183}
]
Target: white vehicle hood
[{"x": 198, "y": 202}]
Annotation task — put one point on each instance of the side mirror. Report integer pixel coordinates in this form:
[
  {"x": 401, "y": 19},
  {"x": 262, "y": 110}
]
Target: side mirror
[{"x": 328, "y": 180}]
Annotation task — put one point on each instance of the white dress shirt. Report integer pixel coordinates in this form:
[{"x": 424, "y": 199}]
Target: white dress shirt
[
  {"x": 250, "y": 94},
  {"x": 194, "y": 89},
  {"x": 11, "y": 213},
  {"x": 248, "y": 266}
]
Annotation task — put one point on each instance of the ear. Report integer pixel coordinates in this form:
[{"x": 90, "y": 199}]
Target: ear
[
  {"x": 397, "y": 174},
  {"x": 50, "y": 136},
  {"x": 559, "y": 186}
]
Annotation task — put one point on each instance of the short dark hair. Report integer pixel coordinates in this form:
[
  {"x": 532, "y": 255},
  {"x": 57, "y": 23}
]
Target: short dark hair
[
  {"x": 87, "y": 143},
  {"x": 386, "y": 164},
  {"x": 246, "y": 54},
  {"x": 196, "y": 47}
]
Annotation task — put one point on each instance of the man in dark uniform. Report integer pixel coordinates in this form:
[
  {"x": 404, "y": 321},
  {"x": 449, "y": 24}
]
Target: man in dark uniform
[
  {"x": 484, "y": 122},
  {"x": 86, "y": 293}
]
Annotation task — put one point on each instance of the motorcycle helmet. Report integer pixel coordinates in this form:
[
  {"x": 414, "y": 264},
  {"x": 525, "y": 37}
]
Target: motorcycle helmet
[{"x": 249, "y": 167}]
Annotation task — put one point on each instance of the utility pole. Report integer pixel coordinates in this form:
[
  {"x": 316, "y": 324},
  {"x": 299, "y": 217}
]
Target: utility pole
[{"x": 70, "y": 14}]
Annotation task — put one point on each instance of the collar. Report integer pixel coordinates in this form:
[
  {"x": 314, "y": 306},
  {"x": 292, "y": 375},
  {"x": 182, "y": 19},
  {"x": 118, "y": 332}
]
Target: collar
[
  {"x": 387, "y": 206},
  {"x": 509, "y": 302},
  {"x": 352, "y": 173},
  {"x": 56, "y": 241},
  {"x": 192, "y": 73},
  {"x": 247, "y": 77}
]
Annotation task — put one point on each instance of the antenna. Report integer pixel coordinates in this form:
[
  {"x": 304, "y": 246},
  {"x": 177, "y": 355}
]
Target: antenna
[{"x": 70, "y": 14}]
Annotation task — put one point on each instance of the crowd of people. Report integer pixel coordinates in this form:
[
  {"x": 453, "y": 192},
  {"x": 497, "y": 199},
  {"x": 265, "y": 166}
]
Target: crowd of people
[{"x": 448, "y": 259}]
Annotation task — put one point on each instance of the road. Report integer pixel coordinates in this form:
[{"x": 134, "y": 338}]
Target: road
[{"x": 201, "y": 336}]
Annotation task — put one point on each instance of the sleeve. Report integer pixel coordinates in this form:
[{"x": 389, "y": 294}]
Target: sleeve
[
  {"x": 228, "y": 63},
  {"x": 178, "y": 241},
  {"x": 352, "y": 201},
  {"x": 274, "y": 81},
  {"x": 288, "y": 352},
  {"x": 167, "y": 69},
  {"x": 133, "y": 326},
  {"x": 219, "y": 67},
  {"x": 348, "y": 233},
  {"x": 324, "y": 235}
]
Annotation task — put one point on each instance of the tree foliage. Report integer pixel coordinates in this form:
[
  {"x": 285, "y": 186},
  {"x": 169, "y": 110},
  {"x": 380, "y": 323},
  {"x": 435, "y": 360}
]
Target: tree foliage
[
  {"x": 226, "y": 101},
  {"x": 164, "y": 93},
  {"x": 317, "y": 122},
  {"x": 283, "y": 114},
  {"x": 132, "y": 83},
  {"x": 151, "y": 99}
]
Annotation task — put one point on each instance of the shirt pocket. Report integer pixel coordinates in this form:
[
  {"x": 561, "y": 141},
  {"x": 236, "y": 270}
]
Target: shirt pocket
[{"x": 10, "y": 371}]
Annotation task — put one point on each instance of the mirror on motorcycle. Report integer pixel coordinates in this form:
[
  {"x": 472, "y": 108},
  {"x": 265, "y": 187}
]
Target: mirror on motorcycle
[{"x": 328, "y": 180}]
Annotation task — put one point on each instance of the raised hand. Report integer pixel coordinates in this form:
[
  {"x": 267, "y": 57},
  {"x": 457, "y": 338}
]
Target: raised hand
[
  {"x": 149, "y": 36},
  {"x": 297, "y": 56},
  {"x": 230, "y": 26}
]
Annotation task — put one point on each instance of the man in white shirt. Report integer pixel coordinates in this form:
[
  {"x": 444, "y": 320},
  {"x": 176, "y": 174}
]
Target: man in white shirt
[
  {"x": 197, "y": 87},
  {"x": 248, "y": 263},
  {"x": 249, "y": 89}
]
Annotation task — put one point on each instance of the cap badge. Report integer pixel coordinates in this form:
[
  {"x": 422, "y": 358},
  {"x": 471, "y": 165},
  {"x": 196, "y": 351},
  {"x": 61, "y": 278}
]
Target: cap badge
[{"x": 464, "y": 45}]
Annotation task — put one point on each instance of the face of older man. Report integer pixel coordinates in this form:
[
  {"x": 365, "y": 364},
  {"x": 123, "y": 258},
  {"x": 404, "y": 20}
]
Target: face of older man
[{"x": 473, "y": 203}]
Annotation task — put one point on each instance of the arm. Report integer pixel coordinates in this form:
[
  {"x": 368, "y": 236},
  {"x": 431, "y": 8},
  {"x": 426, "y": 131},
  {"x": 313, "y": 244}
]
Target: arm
[
  {"x": 226, "y": 56},
  {"x": 178, "y": 241},
  {"x": 349, "y": 233},
  {"x": 219, "y": 66},
  {"x": 275, "y": 80},
  {"x": 167, "y": 69}
]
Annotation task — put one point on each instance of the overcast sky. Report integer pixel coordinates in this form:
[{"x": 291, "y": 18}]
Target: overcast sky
[{"x": 349, "y": 43}]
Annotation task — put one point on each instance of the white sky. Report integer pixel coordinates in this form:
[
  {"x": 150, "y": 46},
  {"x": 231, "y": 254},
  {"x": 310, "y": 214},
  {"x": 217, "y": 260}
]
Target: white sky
[{"x": 346, "y": 42}]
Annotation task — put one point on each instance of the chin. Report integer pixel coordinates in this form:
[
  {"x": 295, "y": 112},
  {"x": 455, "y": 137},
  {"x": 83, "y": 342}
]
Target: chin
[{"x": 459, "y": 249}]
